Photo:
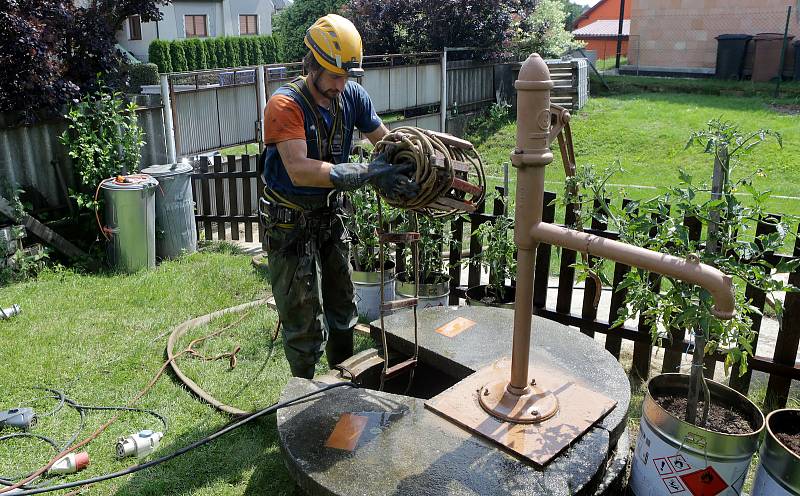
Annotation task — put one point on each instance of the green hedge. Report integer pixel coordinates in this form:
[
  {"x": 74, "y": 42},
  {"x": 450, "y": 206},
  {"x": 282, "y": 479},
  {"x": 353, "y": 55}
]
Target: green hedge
[
  {"x": 211, "y": 53},
  {"x": 158, "y": 52},
  {"x": 141, "y": 74}
]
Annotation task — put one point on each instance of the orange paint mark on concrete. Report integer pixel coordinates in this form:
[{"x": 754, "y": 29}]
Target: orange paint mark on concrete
[
  {"x": 347, "y": 432},
  {"x": 455, "y": 327}
]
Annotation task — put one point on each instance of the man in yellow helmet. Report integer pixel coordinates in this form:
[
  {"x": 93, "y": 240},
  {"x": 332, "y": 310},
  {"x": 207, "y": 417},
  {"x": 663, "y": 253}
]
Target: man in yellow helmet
[{"x": 308, "y": 134}]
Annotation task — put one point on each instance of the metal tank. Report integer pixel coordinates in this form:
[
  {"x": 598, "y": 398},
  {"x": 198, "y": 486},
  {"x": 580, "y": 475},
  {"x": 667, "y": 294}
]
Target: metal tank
[
  {"x": 176, "y": 230},
  {"x": 130, "y": 221}
]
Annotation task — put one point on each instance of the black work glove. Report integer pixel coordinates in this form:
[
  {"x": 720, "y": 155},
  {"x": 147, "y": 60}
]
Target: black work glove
[{"x": 392, "y": 181}]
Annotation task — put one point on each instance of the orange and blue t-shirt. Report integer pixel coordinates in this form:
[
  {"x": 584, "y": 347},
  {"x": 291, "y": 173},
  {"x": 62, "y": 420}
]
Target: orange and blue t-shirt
[{"x": 287, "y": 117}]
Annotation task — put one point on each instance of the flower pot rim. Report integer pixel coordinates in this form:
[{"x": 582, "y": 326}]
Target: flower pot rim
[
  {"x": 771, "y": 434},
  {"x": 720, "y": 388},
  {"x": 504, "y": 304}
]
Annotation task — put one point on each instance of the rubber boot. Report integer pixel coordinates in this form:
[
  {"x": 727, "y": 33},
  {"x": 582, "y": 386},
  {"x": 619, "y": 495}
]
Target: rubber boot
[
  {"x": 301, "y": 370},
  {"x": 339, "y": 347}
]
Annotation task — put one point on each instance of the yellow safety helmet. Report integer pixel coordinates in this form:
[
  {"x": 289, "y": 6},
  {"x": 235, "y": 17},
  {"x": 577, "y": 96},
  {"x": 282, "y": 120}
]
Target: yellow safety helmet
[{"x": 336, "y": 45}]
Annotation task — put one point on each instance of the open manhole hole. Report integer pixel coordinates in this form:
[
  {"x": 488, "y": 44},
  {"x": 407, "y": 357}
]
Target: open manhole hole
[{"x": 424, "y": 382}]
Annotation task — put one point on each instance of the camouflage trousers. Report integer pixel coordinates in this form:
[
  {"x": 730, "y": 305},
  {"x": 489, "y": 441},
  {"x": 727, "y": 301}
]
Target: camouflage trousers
[{"x": 310, "y": 273}]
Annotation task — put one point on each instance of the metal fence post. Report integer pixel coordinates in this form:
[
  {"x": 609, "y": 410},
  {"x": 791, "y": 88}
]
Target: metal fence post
[
  {"x": 262, "y": 104},
  {"x": 169, "y": 128},
  {"x": 443, "y": 104}
]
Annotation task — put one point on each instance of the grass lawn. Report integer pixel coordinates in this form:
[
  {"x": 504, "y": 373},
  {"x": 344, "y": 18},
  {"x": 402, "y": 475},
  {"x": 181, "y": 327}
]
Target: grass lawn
[
  {"x": 100, "y": 338},
  {"x": 645, "y": 133}
]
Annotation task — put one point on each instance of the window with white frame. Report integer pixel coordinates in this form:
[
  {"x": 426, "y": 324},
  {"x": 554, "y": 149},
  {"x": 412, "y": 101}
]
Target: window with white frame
[
  {"x": 248, "y": 24},
  {"x": 196, "y": 26}
]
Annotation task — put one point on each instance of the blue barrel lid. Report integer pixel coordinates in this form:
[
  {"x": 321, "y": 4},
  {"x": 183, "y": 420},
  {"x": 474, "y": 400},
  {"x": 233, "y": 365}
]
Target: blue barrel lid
[
  {"x": 164, "y": 170},
  {"x": 734, "y": 37},
  {"x": 131, "y": 182}
]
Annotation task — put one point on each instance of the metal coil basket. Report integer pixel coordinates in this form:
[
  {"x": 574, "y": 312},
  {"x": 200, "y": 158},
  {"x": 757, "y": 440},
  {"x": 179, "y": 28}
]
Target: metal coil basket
[{"x": 448, "y": 170}]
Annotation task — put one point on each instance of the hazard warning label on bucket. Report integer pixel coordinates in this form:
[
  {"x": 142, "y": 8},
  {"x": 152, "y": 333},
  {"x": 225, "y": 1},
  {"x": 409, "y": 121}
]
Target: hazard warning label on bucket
[
  {"x": 673, "y": 484},
  {"x": 659, "y": 468},
  {"x": 705, "y": 482}
]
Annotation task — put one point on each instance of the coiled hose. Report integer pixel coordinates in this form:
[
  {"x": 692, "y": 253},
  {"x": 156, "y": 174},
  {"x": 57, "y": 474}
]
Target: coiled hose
[{"x": 445, "y": 166}]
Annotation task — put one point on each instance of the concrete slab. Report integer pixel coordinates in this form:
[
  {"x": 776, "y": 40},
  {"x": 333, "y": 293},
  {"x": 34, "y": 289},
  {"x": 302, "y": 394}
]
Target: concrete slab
[
  {"x": 553, "y": 346},
  {"x": 400, "y": 447}
]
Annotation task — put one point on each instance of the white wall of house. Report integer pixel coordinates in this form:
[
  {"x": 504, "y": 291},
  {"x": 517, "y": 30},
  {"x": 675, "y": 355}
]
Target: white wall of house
[
  {"x": 222, "y": 19},
  {"x": 262, "y": 8}
]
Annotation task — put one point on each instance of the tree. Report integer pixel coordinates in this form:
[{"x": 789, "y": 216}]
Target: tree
[
  {"x": 573, "y": 11},
  {"x": 396, "y": 26},
  {"x": 158, "y": 52},
  {"x": 383, "y": 25},
  {"x": 57, "y": 49},
  {"x": 291, "y": 24},
  {"x": 543, "y": 31},
  {"x": 178, "y": 57}
]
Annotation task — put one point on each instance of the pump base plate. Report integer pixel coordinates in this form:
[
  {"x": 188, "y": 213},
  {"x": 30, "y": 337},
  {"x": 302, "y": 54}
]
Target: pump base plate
[{"x": 578, "y": 409}]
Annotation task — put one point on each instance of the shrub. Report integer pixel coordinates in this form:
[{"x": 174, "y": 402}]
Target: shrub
[
  {"x": 543, "y": 31},
  {"x": 158, "y": 52},
  {"x": 52, "y": 50},
  {"x": 196, "y": 48},
  {"x": 142, "y": 74},
  {"x": 231, "y": 52},
  {"x": 210, "y": 49},
  {"x": 102, "y": 138},
  {"x": 395, "y": 26},
  {"x": 178, "y": 57}
]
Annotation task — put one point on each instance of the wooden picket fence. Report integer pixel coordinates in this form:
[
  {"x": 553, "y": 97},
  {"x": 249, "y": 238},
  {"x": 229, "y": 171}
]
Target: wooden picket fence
[{"x": 226, "y": 191}]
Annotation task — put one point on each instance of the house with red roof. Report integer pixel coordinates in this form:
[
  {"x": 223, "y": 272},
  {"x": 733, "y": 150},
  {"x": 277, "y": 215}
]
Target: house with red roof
[{"x": 598, "y": 27}]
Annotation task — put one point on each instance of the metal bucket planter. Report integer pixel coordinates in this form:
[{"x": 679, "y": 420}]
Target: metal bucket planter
[
  {"x": 367, "y": 287},
  {"x": 430, "y": 295},
  {"x": 476, "y": 294},
  {"x": 673, "y": 456},
  {"x": 779, "y": 471}
]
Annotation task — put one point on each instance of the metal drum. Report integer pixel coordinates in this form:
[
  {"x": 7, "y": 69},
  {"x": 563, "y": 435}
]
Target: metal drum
[
  {"x": 176, "y": 230},
  {"x": 130, "y": 221},
  {"x": 367, "y": 287},
  {"x": 430, "y": 295},
  {"x": 675, "y": 457},
  {"x": 779, "y": 471}
]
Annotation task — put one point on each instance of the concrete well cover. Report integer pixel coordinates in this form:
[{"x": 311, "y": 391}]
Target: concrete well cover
[{"x": 393, "y": 444}]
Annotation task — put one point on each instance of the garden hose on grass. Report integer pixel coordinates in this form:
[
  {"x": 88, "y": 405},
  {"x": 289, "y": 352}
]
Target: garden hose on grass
[
  {"x": 444, "y": 167},
  {"x": 183, "y": 328}
]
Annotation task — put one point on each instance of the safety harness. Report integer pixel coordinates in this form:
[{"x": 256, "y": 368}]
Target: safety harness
[
  {"x": 278, "y": 211},
  {"x": 330, "y": 141}
]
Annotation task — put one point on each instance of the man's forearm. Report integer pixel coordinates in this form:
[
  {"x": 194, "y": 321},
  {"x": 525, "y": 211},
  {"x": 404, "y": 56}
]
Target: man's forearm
[{"x": 310, "y": 172}]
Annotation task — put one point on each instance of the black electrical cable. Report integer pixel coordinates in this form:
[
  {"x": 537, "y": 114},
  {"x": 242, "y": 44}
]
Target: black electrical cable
[
  {"x": 136, "y": 468},
  {"x": 80, "y": 407},
  {"x": 9, "y": 481}
]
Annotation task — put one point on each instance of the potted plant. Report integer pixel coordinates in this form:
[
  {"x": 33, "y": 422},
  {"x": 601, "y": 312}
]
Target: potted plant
[
  {"x": 779, "y": 469},
  {"x": 498, "y": 257},
  {"x": 363, "y": 226},
  {"x": 434, "y": 282},
  {"x": 712, "y": 428}
]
